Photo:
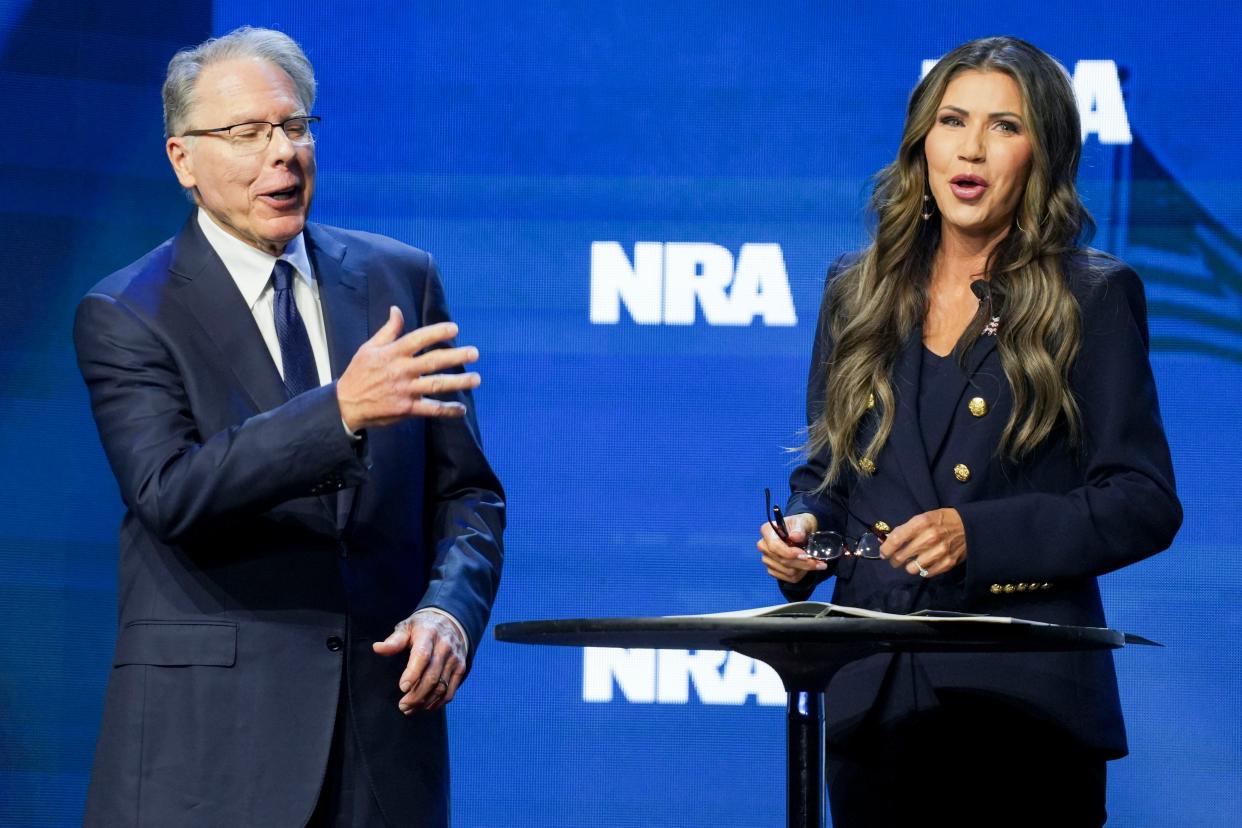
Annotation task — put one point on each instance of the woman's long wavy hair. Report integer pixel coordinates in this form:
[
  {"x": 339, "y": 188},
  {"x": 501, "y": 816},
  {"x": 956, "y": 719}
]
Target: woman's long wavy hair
[{"x": 876, "y": 302}]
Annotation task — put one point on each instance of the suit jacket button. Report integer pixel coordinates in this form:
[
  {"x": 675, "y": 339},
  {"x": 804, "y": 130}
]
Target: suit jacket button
[
  {"x": 867, "y": 465},
  {"x": 962, "y": 472},
  {"x": 334, "y": 643},
  {"x": 978, "y": 406}
]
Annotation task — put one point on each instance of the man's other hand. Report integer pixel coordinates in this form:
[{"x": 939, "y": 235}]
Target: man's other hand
[
  {"x": 391, "y": 379},
  {"x": 437, "y": 663}
]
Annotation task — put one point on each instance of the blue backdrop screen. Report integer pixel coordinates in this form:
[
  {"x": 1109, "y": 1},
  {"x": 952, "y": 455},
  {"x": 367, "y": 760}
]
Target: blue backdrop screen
[{"x": 633, "y": 206}]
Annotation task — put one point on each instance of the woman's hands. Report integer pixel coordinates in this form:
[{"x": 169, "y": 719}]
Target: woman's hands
[
  {"x": 929, "y": 544},
  {"x": 787, "y": 561}
]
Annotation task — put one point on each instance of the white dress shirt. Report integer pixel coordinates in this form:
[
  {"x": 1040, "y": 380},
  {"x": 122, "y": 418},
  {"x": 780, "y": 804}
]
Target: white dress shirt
[{"x": 251, "y": 270}]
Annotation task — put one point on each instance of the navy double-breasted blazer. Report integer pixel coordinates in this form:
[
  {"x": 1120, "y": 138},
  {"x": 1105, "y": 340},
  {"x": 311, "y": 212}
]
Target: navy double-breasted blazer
[
  {"x": 262, "y": 551},
  {"x": 1038, "y": 532}
]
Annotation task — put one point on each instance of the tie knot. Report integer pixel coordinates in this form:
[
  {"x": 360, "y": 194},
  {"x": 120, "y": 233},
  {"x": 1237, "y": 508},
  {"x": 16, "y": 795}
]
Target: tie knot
[{"x": 282, "y": 275}]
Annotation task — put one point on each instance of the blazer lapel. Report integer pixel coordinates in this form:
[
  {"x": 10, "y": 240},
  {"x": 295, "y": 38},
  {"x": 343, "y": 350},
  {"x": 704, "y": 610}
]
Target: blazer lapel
[
  {"x": 982, "y": 347},
  {"x": 343, "y": 297},
  {"x": 907, "y": 436},
  {"x": 985, "y": 345},
  {"x": 212, "y": 298}
]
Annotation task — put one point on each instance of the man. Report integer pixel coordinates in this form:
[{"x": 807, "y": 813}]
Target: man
[{"x": 312, "y": 541}]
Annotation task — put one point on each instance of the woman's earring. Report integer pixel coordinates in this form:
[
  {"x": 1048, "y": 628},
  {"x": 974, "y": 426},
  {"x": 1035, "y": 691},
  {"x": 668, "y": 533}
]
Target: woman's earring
[
  {"x": 1018, "y": 225},
  {"x": 928, "y": 206}
]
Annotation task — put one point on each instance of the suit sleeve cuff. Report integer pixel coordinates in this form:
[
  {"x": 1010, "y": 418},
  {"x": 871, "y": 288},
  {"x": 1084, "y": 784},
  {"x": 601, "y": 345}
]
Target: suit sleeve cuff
[
  {"x": 353, "y": 435},
  {"x": 808, "y": 503}
]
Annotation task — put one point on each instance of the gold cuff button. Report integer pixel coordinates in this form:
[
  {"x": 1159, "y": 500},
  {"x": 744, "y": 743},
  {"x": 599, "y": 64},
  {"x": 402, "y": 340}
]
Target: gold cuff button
[
  {"x": 1010, "y": 588},
  {"x": 978, "y": 406},
  {"x": 867, "y": 465},
  {"x": 881, "y": 527},
  {"x": 962, "y": 472},
  {"x": 1045, "y": 586},
  {"x": 995, "y": 589}
]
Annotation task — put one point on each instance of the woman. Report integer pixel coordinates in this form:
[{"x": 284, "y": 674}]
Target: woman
[{"x": 981, "y": 396}]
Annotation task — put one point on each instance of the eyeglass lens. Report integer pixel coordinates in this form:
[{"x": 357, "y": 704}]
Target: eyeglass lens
[
  {"x": 256, "y": 136},
  {"x": 828, "y": 546}
]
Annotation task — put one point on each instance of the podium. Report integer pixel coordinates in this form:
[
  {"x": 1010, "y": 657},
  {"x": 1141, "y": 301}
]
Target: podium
[{"x": 806, "y": 653}]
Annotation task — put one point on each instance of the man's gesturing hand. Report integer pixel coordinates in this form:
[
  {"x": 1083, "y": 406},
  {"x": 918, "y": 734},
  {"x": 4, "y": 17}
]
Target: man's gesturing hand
[
  {"x": 389, "y": 380},
  {"x": 437, "y": 663}
]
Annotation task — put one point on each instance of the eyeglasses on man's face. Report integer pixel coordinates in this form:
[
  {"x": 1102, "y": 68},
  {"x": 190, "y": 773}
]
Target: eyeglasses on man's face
[{"x": 251, "y": 137}]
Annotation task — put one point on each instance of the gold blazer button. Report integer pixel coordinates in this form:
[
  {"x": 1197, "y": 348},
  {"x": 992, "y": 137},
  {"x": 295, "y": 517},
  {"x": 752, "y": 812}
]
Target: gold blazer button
[
  {"x": 867, "y": 465},
  {"x": 978, "y": 406},
  {"x": 962, "y": 472}
]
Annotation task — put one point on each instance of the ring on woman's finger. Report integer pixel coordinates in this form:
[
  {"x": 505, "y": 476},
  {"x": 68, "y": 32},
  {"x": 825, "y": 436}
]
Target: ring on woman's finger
[
  {"x": 922, "y": 572},
  {"x": 441, "y": 686}
]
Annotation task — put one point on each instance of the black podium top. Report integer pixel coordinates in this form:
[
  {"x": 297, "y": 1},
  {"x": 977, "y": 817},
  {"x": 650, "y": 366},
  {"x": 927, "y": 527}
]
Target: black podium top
[
  {"x": 806, "y": 652},
  {"x": 708, "y": 633}
]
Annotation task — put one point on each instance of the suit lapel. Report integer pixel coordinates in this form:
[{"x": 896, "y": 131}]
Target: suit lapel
[
  {"x": 907, "y": 436},
  {"x": 983, "y": 346},
  {"x": 343, "y": 297},
  {"x": 212, "y": 298}
]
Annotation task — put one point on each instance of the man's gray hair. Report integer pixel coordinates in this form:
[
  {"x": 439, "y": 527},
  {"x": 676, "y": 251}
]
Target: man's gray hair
[{"x": 245, "y": 42}]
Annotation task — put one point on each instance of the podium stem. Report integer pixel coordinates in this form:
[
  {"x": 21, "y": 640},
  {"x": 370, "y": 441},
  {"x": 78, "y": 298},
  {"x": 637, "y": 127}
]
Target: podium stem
[{"x": 805, "y": 760}]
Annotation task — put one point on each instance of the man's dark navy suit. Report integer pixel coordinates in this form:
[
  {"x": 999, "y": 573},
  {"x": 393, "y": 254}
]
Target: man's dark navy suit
[
  {"x": 262, "y": 550},
  {"x": 1038, "y": 533}
]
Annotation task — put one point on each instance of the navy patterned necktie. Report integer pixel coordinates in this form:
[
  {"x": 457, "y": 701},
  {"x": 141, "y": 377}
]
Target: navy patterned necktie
[{"x": 295, "y": 348}]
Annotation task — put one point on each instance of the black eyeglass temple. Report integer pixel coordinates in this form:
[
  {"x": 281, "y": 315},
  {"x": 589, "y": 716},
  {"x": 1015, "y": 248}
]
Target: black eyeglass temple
[{"x": 775, "y": 511}]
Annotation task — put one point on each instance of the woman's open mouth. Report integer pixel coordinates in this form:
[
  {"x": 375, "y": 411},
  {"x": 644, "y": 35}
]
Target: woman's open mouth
[{"x": 968, "y": 187}]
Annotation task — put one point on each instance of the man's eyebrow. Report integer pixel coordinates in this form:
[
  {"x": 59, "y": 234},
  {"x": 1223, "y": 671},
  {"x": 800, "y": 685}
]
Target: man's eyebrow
[
  {"x": 1004, "y": 114},
  {"x": 300, "y": 112}
]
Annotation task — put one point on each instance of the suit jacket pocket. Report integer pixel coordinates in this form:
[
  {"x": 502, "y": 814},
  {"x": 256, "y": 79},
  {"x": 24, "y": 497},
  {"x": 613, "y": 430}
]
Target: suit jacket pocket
[{"x": 177, "y": 644}]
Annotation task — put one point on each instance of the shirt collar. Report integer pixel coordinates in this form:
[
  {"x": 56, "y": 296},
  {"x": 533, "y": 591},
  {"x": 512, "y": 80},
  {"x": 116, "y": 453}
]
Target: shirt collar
[{"x": 250, "y": 267}]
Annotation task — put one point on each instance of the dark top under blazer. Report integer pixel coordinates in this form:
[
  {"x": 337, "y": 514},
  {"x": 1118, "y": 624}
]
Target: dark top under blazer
[
  {"x": 1037, "y": 533},
  {"x": 258, "y": 537}
]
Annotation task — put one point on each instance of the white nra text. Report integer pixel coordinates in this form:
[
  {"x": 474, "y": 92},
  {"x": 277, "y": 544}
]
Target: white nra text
[
  {"x": 667, "y": 676},
  {"x": 668, "y": 283}
]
